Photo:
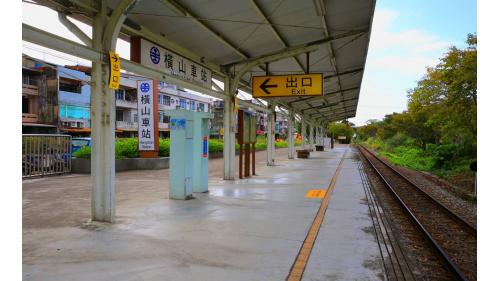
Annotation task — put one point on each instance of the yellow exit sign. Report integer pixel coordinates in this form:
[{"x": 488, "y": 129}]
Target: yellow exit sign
[
  {"x": 296, "y": 85},
  {"x": 114, "y": 70}
]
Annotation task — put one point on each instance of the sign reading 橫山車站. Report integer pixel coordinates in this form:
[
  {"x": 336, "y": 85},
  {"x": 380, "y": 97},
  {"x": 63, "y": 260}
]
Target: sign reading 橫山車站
[
  {"x": 145, "y": 113},
  {"x": 171, "y": 63}
]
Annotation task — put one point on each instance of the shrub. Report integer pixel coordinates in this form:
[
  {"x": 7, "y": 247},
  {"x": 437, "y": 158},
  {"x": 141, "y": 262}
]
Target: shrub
[
  {"x": 83, "y": 152},
  {"x": 399, "y": 139},
  {"x": 126, "y": 148},
  {"x": 215, "y": 145},
  {"x": 129, "y": 147},
  {"x": 164, "y": 147}
]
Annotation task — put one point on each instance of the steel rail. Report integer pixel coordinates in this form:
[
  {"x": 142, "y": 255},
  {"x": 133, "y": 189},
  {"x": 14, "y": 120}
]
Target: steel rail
[
  {"x": 454, "y": 269},
  {"x": 453, "y": 215}
]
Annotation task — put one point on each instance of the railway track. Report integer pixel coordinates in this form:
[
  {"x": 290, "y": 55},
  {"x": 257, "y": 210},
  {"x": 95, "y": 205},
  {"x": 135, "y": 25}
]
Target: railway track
[{"x": 452, "y": 238}]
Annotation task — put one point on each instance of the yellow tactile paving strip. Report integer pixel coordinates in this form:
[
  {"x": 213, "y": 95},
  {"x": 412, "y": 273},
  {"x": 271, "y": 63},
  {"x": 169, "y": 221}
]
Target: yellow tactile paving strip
[{"x": 300, "y": 263}]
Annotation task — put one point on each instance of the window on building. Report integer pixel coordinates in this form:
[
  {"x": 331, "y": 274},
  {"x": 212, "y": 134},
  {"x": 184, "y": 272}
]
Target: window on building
[
  {"x": 131, "y": 95},
  {"x": 120, "y": 94},
  {"x": 136, "y": 118},
  {"x": 119, "y": 115},
  {"x": 182, "y": 103},
  {"x": 26, "y": 105},
  {"x": 70, "y": 85},
  {"x": 201, "y": 107},
  {"x": 192, "y": 105},
  {"x": 164, "y": 99}
]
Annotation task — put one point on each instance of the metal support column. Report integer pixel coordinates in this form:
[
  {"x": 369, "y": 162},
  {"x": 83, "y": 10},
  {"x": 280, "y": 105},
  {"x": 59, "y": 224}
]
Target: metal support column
[
  {"x": 316, "y": 136},
  {"x": 323, "y": 136},
  {"x": 311, "y": 137},
  {"x": 303, "y": 133},
  {"x": 104, "y": 36},
  {"x": 229, "y": 132},
  {"x": 271, "y": 123},
  {"x": 291, "y": 142},
  {"x": 102, "y": 133}
]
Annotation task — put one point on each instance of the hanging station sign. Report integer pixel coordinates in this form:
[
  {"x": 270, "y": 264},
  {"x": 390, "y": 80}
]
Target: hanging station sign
[
  {"x": 146, "y": 115},
  {"x": 171, "y": 63},
  {"x": 294, "y": 85},
  {"x": 114, "y": 70}
]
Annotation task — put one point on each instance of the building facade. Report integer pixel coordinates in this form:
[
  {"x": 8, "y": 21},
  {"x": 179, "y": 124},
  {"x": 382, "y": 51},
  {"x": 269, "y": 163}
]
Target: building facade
[
  {"x": 56, "y": 99},
  {"x": 217, "y": 123},
  {"x": 40, "y": 101}
]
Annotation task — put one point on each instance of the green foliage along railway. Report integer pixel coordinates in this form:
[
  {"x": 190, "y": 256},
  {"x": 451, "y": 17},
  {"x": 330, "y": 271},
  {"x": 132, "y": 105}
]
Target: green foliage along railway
[
  {"x": 438, "y": 131},
  {"x": 128, "y": 147}
]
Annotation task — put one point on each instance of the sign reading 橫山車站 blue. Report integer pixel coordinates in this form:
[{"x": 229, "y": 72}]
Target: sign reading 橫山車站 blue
[
  {"x": 174, "y": 64},
  {"x": 145, "y": 113}
]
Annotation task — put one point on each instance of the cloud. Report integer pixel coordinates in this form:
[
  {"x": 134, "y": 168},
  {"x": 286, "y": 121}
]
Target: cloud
[
  {"x": 409, "y": 65},
  {"x": 415, "y": 41},
  {"x": 397, "y": 59}
]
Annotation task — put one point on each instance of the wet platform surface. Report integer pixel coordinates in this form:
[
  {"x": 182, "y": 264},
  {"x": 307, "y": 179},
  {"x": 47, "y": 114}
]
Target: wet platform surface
[{"x": 249, "y": 229}]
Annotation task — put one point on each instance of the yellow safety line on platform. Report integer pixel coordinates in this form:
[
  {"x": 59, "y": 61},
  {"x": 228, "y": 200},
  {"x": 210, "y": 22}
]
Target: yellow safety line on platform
[{"x": 300, "y": 262}]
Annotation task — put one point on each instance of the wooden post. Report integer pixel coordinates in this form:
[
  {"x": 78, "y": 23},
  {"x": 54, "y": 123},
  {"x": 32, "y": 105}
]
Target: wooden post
[
  {"x": 253, "y": 159},
  {"x": 247, "y": 160}
]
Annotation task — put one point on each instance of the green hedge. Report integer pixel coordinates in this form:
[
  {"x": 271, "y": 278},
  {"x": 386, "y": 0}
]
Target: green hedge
[{"x": 128, "y": 147}]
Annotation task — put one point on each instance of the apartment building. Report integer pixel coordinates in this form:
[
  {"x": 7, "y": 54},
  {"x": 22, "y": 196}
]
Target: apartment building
[
  {"x": 74, "y": 100},
  {"x": 217, "y": 123},
  {"x": 39, "y": 97},
  {"x": 56, "y": 99}
]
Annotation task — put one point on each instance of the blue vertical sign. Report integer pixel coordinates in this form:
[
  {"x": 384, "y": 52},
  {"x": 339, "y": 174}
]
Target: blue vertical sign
[
  {"x": 145, "y": 112},
  {"x": 205, "y": 146}
]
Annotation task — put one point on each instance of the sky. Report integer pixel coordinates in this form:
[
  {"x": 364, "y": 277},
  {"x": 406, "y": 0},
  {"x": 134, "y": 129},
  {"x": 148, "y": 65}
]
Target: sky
[{"x": 407, "y": 36}]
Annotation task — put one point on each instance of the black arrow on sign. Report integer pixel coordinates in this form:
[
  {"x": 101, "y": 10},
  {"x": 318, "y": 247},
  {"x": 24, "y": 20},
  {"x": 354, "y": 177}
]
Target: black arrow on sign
[{"x": 264, "y": 86}]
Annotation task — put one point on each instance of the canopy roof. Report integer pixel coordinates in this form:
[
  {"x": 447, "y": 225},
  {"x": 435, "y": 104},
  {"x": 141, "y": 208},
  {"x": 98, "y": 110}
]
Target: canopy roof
[{"x": 219, "y": 33}]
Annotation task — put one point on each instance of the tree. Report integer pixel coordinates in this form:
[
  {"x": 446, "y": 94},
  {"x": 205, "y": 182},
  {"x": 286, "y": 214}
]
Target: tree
[
  {"x": 445, "y": 99},
  {"x": 340, "y": 129}
]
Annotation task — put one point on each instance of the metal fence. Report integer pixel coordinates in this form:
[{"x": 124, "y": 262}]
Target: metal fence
[{"x": 46, "y": 155}]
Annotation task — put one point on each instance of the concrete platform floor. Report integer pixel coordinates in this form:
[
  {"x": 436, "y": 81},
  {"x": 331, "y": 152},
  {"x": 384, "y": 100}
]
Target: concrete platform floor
[{"x": 249, "y": 229}]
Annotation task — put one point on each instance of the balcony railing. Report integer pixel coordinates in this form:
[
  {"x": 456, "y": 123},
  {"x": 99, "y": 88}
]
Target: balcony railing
[
  {"x": 127, "y": 125},
  {"x": 30, "y": 90},
  {"x": 30, "y": 118},
  {"x": 163, "y": 125},
  {"x": 126, "y": 103}
]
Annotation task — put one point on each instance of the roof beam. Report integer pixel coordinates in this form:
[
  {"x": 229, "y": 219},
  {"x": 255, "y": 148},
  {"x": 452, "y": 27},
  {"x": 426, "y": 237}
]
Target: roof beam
[
  {"x": 327, "y": 95},
  {"x": 275, "y": 32},
  {"x": 345, "y": 110},
  {"x": 331, "y": 104},
  {"x": 52, "y": 41},
  {"x": 312, "y": 43},
  {"x": 356, "y": 70},
  {"x": 178, "y": 8}
]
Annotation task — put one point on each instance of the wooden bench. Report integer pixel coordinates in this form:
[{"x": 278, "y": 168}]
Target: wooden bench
[{"x": 303, "y": 153}]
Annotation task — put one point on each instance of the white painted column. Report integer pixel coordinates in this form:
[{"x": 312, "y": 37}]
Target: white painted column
[
  {"x": 323, "y": 136},
  {"x": 229, "y": 134},
  {"x": 317, "y": 136},
  {"x": 303, "y": 133},
  {"x": 102, "y": 132},
  {"x": 311, "y": 137},
  {"x": 291, "y": 141},
  {"x": 271, "y": 123}
]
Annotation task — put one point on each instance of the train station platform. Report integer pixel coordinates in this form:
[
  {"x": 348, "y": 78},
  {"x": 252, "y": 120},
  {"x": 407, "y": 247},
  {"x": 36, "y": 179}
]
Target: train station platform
[{"x": 250, "y": 229}]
